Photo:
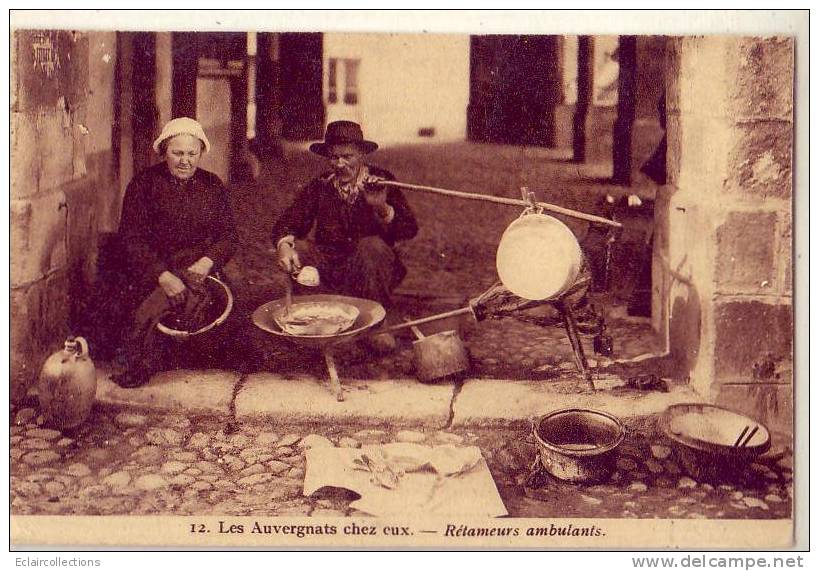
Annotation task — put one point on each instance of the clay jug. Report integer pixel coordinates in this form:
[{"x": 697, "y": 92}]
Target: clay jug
[
  {"x": 538, "y": 257},
  {"x": 67, "y": 385}
]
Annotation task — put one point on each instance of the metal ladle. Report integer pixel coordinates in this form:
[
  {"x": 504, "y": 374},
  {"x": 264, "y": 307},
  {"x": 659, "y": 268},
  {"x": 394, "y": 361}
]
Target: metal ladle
[{"x": 307, "y": 276}]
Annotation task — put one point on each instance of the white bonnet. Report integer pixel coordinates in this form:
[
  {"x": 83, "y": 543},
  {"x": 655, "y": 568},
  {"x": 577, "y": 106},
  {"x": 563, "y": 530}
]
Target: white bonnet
[{"x": 182, "y": 126}]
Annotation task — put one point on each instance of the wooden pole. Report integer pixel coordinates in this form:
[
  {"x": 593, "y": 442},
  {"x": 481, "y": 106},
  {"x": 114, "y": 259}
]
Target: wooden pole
[
  {"x": 585, "y": 55},
  {"x": 503, "y": 200},
  {"x": 626, "y": 96},
  {"x": 185, "y": 49},
  {"x": 430, "y": 319}
]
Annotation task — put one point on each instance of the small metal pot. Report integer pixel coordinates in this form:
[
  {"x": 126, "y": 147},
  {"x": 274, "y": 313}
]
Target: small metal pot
[
  {"x": 578, "y": 445},
  {"x": 439, "y": 356}
]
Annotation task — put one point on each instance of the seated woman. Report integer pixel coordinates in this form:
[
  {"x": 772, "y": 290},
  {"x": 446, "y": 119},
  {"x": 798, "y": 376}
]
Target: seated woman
[{"x": 177, "y": 228}]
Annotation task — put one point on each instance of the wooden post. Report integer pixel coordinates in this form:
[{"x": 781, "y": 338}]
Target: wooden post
[
  {"x": 585, "y": 75},
  {"x": 238, "y": 119},
  {"x": 626, "y": 103},
  {"x": 268, "y": 93},
  {"x": 301, "y": 71},
  {"x": 144, "y": 110},
  {"x": 185, "y": 69}
]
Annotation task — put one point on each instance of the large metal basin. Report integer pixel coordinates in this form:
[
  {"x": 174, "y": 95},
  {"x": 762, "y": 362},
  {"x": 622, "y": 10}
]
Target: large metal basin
[
  {"x": 370, "y": 314},
  {"x": 703, "y": 438}
]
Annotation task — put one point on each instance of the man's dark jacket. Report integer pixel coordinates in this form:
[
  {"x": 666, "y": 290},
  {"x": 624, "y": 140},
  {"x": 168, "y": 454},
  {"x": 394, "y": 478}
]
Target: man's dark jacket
[{"x": 339, "y": 225}]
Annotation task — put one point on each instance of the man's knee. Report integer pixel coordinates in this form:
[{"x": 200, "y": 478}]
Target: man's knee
[{"x": 374, "y": 248}]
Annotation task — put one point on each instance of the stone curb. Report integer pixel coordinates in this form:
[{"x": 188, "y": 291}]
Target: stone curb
[
  {"x": 305, "y": 399},
  {"x": 202, "y": 392},
  {"x": 496, "y": 402}
]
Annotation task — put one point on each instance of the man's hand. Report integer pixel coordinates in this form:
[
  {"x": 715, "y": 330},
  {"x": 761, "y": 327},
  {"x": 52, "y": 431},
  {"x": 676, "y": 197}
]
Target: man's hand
[
  {"x": 200, "y": 269},
  {"x": 376, "y": 197},
  {"x": 634, "y": 200},
  {"x": 288, "y": 257},
  {"x": 173, "y": 287}
]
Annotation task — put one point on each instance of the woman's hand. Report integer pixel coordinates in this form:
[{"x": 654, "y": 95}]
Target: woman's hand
[
  {"x": 201, "y": 268},
  {"x": 173, "y": 287},
  {"x": 288, "y": 257}
]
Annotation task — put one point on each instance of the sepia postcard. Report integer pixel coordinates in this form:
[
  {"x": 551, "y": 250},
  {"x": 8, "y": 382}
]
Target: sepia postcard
[{"x": 474, "y": 280}]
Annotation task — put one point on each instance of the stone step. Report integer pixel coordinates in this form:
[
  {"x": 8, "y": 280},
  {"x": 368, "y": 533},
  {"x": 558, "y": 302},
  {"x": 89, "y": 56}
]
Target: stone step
[
  {"x": 305, "y": 399},
  {"x": 500, "y": 402}
]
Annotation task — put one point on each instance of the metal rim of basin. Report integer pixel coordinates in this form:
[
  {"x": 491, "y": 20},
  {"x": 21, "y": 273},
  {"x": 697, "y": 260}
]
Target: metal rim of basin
[
  {"x": 618, "y": 439},
  {"x": 371, "y": 313},
  {"x": 699, "y": 445},
  {"x": 182, "y": 335}
]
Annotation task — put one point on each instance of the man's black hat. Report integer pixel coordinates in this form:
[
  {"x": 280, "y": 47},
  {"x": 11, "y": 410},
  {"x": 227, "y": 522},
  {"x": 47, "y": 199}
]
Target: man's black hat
[{"x": 341, "y": 133}]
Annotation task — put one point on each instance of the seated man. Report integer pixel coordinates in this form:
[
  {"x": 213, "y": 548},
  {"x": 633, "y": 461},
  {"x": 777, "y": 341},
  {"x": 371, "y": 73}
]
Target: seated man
[{"x": 357, "y": 222}]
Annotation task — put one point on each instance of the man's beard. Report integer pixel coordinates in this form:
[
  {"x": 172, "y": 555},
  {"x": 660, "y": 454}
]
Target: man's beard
[{"x": 347, "y": 174}]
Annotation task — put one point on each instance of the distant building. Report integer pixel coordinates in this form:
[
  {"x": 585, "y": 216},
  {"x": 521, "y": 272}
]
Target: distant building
[
  {"x": 414, "y": 88},
  {"x": 401, "y": 87}
]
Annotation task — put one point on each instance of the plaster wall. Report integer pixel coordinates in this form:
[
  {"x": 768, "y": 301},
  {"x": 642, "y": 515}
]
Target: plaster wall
[
  {"x": 164, "y": 77},
  {"x": 406, "y": 82},
  {"x": 213, "y": 112}
]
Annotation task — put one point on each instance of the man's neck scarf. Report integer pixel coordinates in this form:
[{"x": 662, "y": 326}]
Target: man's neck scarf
[{"x": 349, "y": 191}]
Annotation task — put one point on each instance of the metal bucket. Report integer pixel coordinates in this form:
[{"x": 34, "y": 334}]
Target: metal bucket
[
  {"x": 538, "y": 257},
  {"x": 578, "y": 445}
]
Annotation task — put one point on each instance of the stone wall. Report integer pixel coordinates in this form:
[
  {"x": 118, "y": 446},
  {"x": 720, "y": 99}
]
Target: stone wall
[
  {"x": 63, "y": 180},
  {"x": 723, "y": 243}
]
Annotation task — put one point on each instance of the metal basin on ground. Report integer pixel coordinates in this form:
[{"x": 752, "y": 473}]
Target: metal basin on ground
[
  {"x": 221, "y": 307},
  {"x": 578, "y": 445},
  {"x": 703, "y": 437},
  {"x": 370, "y": 314}
]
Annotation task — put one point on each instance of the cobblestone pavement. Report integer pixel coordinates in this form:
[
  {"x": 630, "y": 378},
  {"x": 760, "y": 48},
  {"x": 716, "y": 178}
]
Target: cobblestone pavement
[
  {"x": 510, "y": 349},
  {"x": 150, "y": 463}
]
